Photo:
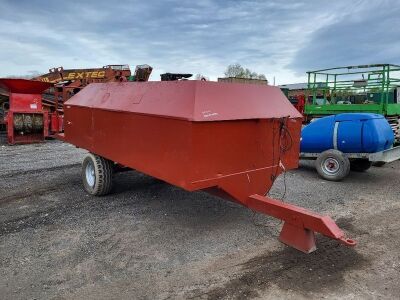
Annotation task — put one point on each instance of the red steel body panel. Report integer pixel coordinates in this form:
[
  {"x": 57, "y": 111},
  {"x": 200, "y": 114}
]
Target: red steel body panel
[
  {"x": 56, "y": 122},
  {"x": 192, "y": 155},
  {"x": 232, "y": 140},
  {"x": 25, "y": 97},
  {"x": 188, "y": 100},
  {"x": 25, "y": 102},
  {"x": 200, "y": 138},
  {"x": 24, "y": 86}
]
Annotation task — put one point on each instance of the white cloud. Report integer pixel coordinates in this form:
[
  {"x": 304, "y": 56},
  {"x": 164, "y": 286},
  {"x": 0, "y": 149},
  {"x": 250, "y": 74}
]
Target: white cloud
[{"x": 277, "y": 38}]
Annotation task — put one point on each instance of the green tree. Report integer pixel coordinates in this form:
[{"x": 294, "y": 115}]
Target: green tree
[{"x": 236, "y": 70}]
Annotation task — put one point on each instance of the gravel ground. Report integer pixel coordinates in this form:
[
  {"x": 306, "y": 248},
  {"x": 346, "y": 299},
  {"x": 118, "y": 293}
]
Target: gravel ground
[{"x": 151, "y": 240}]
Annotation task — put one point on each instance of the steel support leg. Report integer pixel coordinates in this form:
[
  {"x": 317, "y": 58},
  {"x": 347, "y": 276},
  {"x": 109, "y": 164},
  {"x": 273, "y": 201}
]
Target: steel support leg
[{"x": 299, "y": 238}]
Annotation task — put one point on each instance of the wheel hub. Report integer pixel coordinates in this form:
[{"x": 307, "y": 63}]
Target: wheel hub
[
  {"x": 90, "y": 174},
  {"x": 331, "y": 166}
]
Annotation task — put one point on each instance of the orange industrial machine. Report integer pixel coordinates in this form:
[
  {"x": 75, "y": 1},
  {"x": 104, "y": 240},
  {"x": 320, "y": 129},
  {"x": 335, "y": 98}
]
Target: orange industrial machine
[
  {"x": 68, "y": 82},
  {"x": 71, "y": 81},
  {"x": 229, "y": 139},
  {"x": 22, "y": 117}
]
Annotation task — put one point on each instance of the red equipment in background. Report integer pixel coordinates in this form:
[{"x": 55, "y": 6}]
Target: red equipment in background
[
  {"x": 299, "y": 102},
  {"x": 68, "y": 82},
  {"x": 231, "y": 140},
  {"x": 23, "y": 118}
]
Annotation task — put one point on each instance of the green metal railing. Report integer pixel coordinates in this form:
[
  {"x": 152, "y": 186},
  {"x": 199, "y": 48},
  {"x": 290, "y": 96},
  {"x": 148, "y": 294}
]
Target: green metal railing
[{"x": 367, "y": 87}]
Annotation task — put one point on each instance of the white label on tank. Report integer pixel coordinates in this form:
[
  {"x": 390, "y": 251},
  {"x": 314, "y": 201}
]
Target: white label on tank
[
  {"x": 33, "y": 106},
  {"x": 208, "y": 113}
]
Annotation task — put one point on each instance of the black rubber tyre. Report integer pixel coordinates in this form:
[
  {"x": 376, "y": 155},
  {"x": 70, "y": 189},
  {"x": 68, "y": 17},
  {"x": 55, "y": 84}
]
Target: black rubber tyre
[
  {"x": 360, "y": 165},
  {"x": 379, "y": 164},
  {"x": 332, "y": 165},
  {"x": 97, "y": 175}
]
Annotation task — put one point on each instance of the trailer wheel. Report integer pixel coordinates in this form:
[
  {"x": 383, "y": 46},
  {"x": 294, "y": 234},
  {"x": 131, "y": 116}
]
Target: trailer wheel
[
  {"x": 97, "y": 173},
  {"x": 333, "y": 165},
  {"x": 360, "y": 165}
]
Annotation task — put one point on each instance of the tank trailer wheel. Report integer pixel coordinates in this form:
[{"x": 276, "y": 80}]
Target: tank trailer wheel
[
  {"x": 360, "y": 165},
  {"x": 333, "y": 165},
  {"x": 97, "y": 175}
]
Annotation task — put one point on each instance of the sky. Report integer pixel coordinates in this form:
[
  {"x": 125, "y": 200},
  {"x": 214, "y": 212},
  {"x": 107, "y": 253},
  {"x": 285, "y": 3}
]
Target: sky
[{"x": 281, "y": 39}]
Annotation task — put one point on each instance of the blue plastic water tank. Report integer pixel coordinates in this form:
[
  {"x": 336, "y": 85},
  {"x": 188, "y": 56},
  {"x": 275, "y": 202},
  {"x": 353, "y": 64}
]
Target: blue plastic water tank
[{"x": 349, "y": 132}]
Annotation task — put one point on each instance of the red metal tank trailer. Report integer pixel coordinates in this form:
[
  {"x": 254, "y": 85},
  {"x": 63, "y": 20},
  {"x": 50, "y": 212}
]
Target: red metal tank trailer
[
  {"x": 23, "y": 117},
  {"x": 228, "y": 139}
]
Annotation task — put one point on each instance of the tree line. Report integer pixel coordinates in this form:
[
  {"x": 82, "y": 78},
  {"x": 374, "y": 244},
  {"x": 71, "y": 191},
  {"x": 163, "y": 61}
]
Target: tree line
[{"x": 237, "y": 71}]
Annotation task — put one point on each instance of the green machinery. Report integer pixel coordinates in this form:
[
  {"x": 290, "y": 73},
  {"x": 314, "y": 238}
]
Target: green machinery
[{"x": 365, "y": 88}]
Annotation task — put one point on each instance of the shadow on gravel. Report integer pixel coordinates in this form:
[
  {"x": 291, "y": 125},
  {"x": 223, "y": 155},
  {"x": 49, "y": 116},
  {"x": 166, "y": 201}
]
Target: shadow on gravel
[
  {"x": 14, "y": 173},
  {"x": 131, "y": 182},
  {"x": 133, "y": 193},
  {"x": 308, "y": 165},
  {"x": 319, "y": 272}
]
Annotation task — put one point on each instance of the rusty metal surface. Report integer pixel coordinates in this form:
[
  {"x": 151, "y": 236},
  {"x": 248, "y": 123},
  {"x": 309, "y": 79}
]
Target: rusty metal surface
[
  {"x": 191, "y": 155},
  {"x": 231, "y": 140},
  {"x": 181, "y": 145},
  {"x": 109, "y": 72},
  {"x": 14, "y": 136},
  {"x": 188, "y": 100},
  {"x": 68, "y": 82}
]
